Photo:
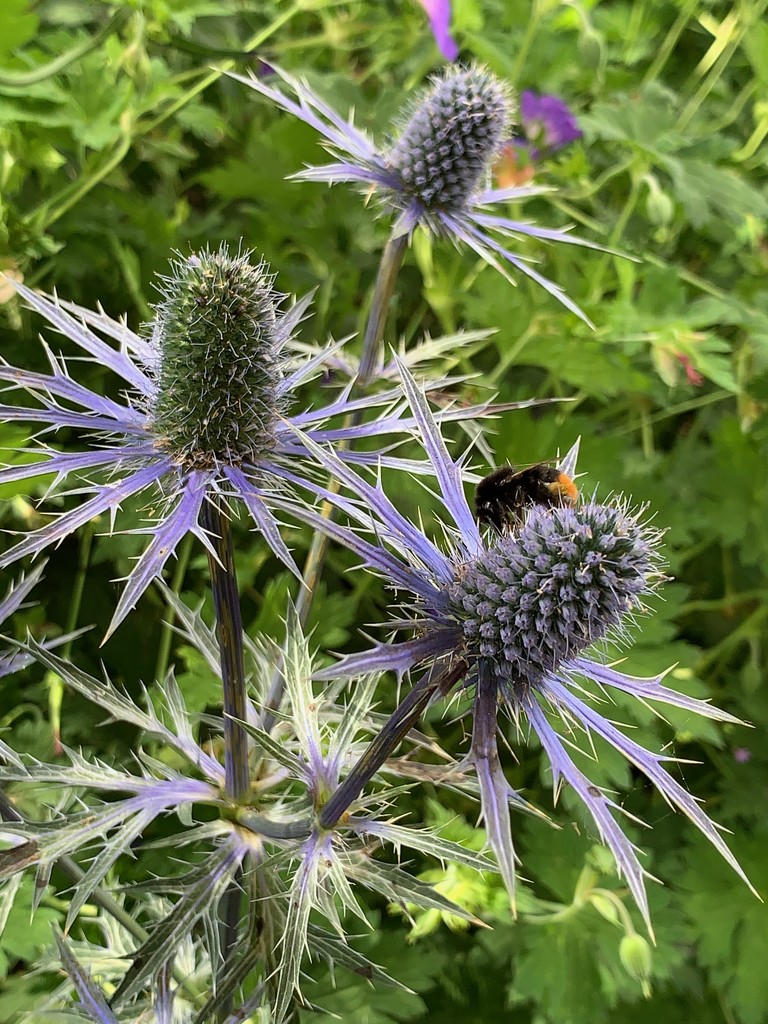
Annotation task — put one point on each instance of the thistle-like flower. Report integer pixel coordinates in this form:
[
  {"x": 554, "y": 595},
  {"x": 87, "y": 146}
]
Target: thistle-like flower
[
  {"x": 205, "y": 415},
  {"x": 434, "y": 171},
  {"x": 516, "y": 618},
  {"x": 290, "y": 865}
]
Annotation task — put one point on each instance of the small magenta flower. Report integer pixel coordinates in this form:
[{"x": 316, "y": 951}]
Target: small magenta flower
[
  {"x": 204, "y": 415},
  {"x": 439, "y": 14},
  {"x": 434, "y": 172},
  {"x": 548, "y": 123},
  {"x": 518, "y": 618}
]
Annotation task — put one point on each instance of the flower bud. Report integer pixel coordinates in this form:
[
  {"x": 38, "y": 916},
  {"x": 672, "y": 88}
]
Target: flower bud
[
  {"x": 636, "y": 956},
  {"x": 605, "y": 907},
  {"x": 659, "y": 207},
  {"x": 590, "y": 49}
]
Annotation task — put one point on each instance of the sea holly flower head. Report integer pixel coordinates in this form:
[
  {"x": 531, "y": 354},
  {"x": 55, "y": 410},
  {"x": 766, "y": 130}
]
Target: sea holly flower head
[
  {"x": 518, "y": 620},
  {"x": 207, "y": 413},
  {"x": 443, "y": 151},
  {"x": 566, "y": 580},
  {"x": 434, "y": 172},
  {"x": 217, "y": 332}
]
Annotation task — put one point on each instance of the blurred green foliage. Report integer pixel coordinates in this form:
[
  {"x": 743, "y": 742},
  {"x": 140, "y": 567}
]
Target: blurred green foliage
[{"x": 121, "y": 141}]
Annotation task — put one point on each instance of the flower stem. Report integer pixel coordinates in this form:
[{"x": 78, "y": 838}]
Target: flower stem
[
  {"x": 24, "y": 79},
  {"x": 391, "y": 261},
  {"x": 400, "y": 723},
  {"x": 229, "y": 631}
]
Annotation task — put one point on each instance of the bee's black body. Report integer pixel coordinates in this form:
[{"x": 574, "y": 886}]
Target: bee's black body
[{"x": 502, "y": 497}]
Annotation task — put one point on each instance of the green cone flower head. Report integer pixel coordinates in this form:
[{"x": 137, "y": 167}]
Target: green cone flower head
[
  {"x": 208, "y": 411},
  {"x": 220, "y": 366}
]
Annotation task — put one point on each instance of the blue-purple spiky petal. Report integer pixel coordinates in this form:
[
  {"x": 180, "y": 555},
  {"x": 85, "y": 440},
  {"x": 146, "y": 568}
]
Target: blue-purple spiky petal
[{"x": 433, "y": 174}]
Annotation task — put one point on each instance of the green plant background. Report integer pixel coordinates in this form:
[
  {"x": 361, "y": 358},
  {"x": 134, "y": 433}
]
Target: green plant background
[{"x": 118, "y": 148}]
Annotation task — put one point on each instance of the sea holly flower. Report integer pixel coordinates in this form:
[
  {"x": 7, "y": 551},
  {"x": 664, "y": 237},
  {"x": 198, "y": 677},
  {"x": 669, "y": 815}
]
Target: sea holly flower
[
  {"x": 518, "y": 620},
  {"x": 439, "y": 14},
  {"x": 208, "y": 412},
  {"x": 93, "y": 970},
  {"x": 169, "y": 1003},
  {"x": 324, "y": 733},
  {"x": 101, "y": 832},
  {"x": 274, "y": 838},
  {"x": 434, "y": 172}
]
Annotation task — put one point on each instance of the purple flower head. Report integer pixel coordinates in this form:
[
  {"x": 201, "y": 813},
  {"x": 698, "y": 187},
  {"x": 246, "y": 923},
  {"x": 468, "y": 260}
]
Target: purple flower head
[
  {"x": 444, "y": 149},
  {"x": 520, "y": 615},
  {"x": 534, "y": 601},
  {"x": 439, "y": 14},
  {"x": 547, "y": 122},
  {"x": 435, "y": 171},
  {"x": 206, "y": 413}
]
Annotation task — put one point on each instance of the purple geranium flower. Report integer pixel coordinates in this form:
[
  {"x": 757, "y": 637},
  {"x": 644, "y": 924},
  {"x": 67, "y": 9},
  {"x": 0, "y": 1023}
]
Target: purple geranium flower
[
  {"x": 439, "y": 14},
  {"x": 205, "y": 415},
  {"x": 547, "y": 122},
  {"x": 516, "y": 617},
  {"x": 434, "y": 172}
]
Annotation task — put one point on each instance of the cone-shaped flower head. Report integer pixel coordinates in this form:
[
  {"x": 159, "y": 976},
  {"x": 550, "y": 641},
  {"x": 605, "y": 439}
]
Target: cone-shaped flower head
[
  {"x": 566, "y": 580},
  {"x": 447, "y": 147},
  {"x": 435, "y": 172},
  {"x": 218, "y": 335},
  {"x": 517, "y": 619},
  {"x": 206, "y": 412}
]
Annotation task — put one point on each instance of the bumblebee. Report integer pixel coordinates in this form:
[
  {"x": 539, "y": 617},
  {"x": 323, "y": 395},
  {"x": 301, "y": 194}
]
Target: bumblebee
[{"x": 502, "y": 497}]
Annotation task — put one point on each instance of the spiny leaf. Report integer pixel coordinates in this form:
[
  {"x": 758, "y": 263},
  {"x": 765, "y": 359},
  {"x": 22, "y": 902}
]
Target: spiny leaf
[{"x": 199, "y": 899}]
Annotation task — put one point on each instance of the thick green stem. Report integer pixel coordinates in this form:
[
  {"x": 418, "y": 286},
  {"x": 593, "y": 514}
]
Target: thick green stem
[
  {"x": 229, "y": 631},
  {"x": 391, "y": 261}
]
